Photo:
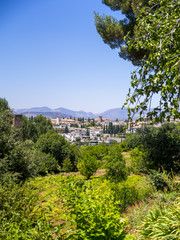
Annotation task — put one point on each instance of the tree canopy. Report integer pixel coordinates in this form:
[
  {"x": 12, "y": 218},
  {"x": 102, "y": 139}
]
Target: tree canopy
[
  {"x": 158, "y": 31},
  {"x": 148, "y": 37},
  {"x": 114, "y": 31},
  {"x": 58, "y": 147},
  {"x": 33, "y": 128}
]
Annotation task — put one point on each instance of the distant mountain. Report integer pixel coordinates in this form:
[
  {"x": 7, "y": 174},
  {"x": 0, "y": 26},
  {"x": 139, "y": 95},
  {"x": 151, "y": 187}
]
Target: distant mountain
[
  {"x": 117, "y": 113},
  {"x": 76, "y": 113},
  {"x": 111, "y": 114},
  {"x": 52, "y": 115},
  {"x": 34, "y": 109}
]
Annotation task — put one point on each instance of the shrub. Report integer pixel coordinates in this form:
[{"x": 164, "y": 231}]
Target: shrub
[
  {"x": 127, "y": 193},
  {"x": 88, "y": 165},
  {"x": 25, "y": 161},
  {"x": 67, "y": 165},
  {"x": 162, "y": 146},
  {"x": 116, "y": 166},
  {"x": 160, "y": 180},
  {"x": 17, "y": 217},
  {"x": 138, "y": 156},
  {"x": 93, "y": 214}
]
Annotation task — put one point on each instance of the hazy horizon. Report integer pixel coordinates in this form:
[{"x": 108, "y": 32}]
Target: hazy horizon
[{"x": 83, "y": 110}]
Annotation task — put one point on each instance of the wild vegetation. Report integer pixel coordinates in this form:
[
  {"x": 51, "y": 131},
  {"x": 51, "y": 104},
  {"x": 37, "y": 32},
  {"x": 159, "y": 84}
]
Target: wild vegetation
[
  {"x": 121, "y": 191},
  {"x": 138, "y": 194}
]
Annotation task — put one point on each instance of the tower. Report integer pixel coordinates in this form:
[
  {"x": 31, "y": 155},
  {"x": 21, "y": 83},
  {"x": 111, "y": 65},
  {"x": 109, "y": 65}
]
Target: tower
[
  {"x": 17, "y": 120},
  {"x": 100, "y": 119},
  {"x": 58, "y": 120}
]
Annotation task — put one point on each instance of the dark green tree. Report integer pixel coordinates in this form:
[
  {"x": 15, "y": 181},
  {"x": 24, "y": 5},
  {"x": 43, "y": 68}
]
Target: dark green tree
[
  {"x": 88, "y": 165},
  {"x": 163, "y": 147},
  {"x": 43, "y": 125},
  {"x": 104, "y": 130},
  {"x": 87, "y": 132},
  {"x": 110, "y": 128},
  {"x": 114, "y": 32},
  {"x": 29, "y": 130},
  {"x": 8, "y": 134},
  {"x": 93, "y": 123},
  {"x": 159, "y": 148},
  {"x": 54, "y": 144},
  {"x": 19, "y": 160},
  {"x": 149, "y": 39},
  {"x": 66, "y": 130},
  {"x": 33, "y": 128},
  {"x": 159, "y": 72},
  {"x": 58, "y": 147},
  {"x": 116, "y": 166}
]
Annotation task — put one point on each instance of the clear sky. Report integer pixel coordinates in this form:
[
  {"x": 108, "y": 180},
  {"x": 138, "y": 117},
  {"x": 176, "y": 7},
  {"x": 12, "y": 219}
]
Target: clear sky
[{"x": 51, "y": 55}]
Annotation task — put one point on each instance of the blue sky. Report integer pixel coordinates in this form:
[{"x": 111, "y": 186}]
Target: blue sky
[{"x": 51, "y": 55}]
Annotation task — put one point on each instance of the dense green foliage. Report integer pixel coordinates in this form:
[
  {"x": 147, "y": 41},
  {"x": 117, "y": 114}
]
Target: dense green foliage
[
  {"x": 116, "y": 166},
  {"x": 73, "y": 208},
  {"x": 159, "y": 71},
  {"x": 128, "y": 192},
  {"x": 160, "y": 148},
  {"x": 114, "y": 32},
  {"x": 20, "y": 159},
  {"x": 99, "y": 151},
  {"x": 87, "y": 165},
  {"x": 7, "y": 133},
  {"x": 92, "y": 214},
  {"x": 33, "y": 128},
  {"x": 58, "y": 147},
  {"x": 149, "y": 39},
  {"x": 67, "y": 165},
  {"x": 138, "y": 159}
]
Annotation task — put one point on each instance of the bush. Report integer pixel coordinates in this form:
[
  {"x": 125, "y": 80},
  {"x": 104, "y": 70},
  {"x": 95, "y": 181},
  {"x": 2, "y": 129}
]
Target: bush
[
  {"x": 88, "y": 165},
  {"x": 138, "y": 157},
  {"x": 15, "y": 210},
  {"x": 67, "y": 165},
  {"x": 126, "y": 195},
  {"x": 116, "y": 166},
  {"x": 132, "y": 140},
  {"x": 161, "y": 145},
  {"x": 43, "y": 163},
  {"x": 93, "y": 214},
  {"x": 135, "y": 188},
  {"x": 25, "y": 161},
  {"x": 160, "y": 180}
]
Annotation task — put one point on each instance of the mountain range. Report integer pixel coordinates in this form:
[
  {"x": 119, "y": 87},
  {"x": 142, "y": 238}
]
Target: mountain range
[{"x": 111, "y": 114}]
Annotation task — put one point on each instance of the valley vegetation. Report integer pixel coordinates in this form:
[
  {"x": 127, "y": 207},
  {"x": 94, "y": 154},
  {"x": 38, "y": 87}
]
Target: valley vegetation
[{"x": 117, "y": 191}]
